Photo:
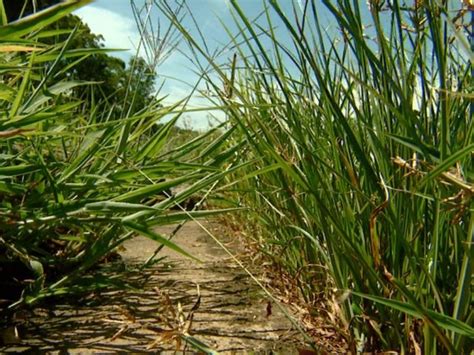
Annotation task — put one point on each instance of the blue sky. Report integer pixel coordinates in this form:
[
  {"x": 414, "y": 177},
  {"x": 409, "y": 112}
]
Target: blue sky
[{"x": 115, "y": 21}]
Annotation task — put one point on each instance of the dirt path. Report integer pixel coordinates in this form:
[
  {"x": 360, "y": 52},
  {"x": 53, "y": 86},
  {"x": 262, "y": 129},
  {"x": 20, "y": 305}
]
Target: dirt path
[{"x": 231, "y": 316}]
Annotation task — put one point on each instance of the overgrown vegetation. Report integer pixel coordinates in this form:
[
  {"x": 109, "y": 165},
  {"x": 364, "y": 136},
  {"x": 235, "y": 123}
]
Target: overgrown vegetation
[
  {"x": 351, "y": 148},
  {"x": 80, "y": 173},
  {"x": 361, "y": 150},
  {"x": 125, "y": 87}
]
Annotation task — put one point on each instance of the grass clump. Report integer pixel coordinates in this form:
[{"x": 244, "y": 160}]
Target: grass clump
[
  {"x": 79, "y": 173},
  {"x": 359, "y": 141}
]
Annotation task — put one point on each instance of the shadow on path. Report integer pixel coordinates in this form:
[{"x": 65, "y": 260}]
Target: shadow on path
[{"x": 231, "y": 314}]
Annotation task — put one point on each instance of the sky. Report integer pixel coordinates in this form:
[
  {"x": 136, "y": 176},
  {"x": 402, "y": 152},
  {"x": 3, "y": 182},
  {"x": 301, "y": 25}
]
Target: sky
[
  {"x": 176, "y": 76},
  {"x": 114, "y": 20}
]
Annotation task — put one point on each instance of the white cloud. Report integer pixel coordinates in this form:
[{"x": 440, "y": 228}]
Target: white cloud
[{"x": 118, "y": 31}]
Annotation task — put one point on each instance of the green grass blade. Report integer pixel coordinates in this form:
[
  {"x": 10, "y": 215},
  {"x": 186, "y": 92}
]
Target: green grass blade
[
  {"x": 39, "y": 20},
  {"x": 146, "y": 232},
  {"x": 442, "y": 320}
]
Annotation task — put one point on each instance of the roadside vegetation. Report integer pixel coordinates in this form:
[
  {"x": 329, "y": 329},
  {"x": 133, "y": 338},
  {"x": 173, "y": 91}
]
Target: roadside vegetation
[
  {"x": 83, "y": 164},
  {"x": 360, "y": 142},
  {"x": 347, "y": 154}
]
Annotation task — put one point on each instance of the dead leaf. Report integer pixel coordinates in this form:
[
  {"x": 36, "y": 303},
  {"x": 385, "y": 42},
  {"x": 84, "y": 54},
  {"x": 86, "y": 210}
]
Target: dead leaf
[
  {"x": 13, "y": 132},
  {"x": 416, "y": 346},
  {"x": 269, "y": 309},
  {"x": 17, "y": 48},
  {"x": 306, "y": 352}
]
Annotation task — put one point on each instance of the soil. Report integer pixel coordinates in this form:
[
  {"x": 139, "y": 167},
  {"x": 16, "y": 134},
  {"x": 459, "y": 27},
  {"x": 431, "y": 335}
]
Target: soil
[{"x": 213, "y": 302}]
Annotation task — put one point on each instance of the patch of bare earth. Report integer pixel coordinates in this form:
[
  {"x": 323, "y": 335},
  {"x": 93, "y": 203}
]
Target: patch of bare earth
[
  {"x": 214, "y": 301},
  {"x": 321, "y": 317}
]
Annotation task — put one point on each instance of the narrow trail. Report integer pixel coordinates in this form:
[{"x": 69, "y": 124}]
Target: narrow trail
[{"x": 231, "y": 316}]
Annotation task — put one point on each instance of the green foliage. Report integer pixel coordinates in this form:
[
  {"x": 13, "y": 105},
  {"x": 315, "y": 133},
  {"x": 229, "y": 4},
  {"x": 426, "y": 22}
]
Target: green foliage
[
  {"x": 74, "y": 186},
  {"x": 128, "y": 88},
  {"x": 365, "y": 143}
]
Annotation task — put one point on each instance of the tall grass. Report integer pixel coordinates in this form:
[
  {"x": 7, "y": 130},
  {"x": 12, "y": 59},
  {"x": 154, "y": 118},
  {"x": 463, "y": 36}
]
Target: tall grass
[
  {"x": 78, "y": 178},
  {"x": 361, "y": 146}
]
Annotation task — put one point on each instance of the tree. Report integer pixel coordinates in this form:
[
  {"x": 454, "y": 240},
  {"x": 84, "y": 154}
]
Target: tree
[
  {"x": 111, "y": 74},
  {"x": 98, "y": 66}
]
